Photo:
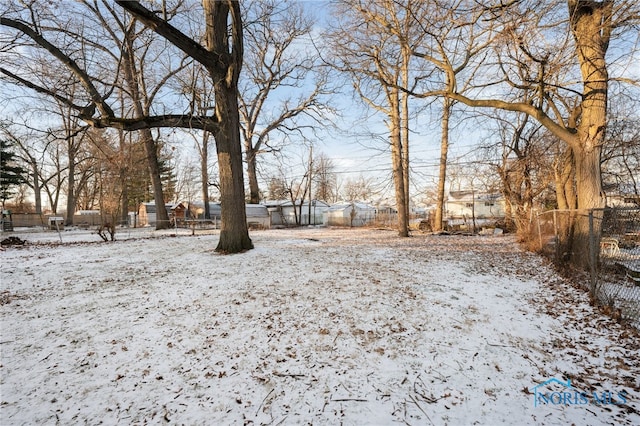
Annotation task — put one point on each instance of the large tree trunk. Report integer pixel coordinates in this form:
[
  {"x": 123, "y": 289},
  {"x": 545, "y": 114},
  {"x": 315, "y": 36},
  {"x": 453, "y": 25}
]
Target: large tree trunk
[
  {"x": 151, "y": 152},
  {"x": 71, "y": 184},
  {"x": 442, "y": 176},
  {"x": 234, "y": 233},
  {"x": 398, "y": 164},
  {"x": 591, "y": 28},
  {"x": 150, "y": 146},
  {"x": 589, "y": 197},
  {"x": 204, "y": 173}
]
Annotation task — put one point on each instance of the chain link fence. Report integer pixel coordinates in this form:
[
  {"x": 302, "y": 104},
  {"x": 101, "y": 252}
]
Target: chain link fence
[{"x": 613, "y": 253}]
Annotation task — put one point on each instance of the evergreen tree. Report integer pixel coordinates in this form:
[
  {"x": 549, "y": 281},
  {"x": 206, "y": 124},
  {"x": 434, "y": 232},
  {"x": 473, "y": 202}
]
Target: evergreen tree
[{"x": 11, "y": 173}]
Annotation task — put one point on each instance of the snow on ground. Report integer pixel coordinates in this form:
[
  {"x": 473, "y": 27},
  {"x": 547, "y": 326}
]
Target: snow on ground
[{"x": 313, "y": 326}]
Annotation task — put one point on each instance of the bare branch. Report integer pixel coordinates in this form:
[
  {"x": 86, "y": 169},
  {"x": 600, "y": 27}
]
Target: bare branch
[
  {"x": 96, "y": 98},
  {"x": 42, "y": 90},
  {"x": 208, "y": 59},
  {"x": 208, "y": 123}
]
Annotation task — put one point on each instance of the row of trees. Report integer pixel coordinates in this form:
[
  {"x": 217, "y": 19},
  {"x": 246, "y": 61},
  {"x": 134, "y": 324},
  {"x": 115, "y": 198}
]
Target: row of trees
[
  {"x": 550, "y": 67},
  {"x": 545, "y": 63},
  {"x": 120, "y": 67}
]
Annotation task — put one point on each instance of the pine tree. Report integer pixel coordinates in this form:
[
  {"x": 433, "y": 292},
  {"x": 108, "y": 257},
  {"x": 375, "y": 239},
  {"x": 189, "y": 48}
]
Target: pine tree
[{"x": 11, "y": 173}]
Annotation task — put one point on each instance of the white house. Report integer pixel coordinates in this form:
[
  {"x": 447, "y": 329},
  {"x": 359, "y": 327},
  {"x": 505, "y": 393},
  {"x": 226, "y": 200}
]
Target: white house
[{"x": 471, "y": 208}]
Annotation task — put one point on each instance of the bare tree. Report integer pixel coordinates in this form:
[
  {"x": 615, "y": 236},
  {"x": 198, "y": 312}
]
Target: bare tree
[
  {"x": 372, "y": 44},
  {"x": 559, "y": 47},
  {"x": 358, "y": 189},
  {"x": 290, "y": 184},
  {"x": 525, "y": 155},
  {"x": 200, "y": 91},
  {"x": 277, "y": 188},
  {"x": 324, "y": 178},
  {"x": 621, "y": 154},
  {"x": 32, "y": 160},
  {"x": 451, "y": 47},
  {"x": 282, "y": 85},
  {"x": 221, "y": 57}
]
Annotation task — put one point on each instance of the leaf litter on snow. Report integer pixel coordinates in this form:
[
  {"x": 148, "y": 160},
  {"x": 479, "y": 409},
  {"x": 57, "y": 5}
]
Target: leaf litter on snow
[{"x": 319, "y": 326}]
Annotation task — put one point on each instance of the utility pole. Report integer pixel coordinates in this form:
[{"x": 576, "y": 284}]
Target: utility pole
[{"x": 310, "y": 177}]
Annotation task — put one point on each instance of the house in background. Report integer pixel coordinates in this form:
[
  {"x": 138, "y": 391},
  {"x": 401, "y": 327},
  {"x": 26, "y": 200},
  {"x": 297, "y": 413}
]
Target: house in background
[
  {"x": 470, "y": 209},
  {"x": 87, "y": 218},
  {"x": 621, "y": 195}
]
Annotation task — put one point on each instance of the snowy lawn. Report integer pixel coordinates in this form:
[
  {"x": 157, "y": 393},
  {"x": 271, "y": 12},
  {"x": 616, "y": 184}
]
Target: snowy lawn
[{"x": 313, "y": 326}]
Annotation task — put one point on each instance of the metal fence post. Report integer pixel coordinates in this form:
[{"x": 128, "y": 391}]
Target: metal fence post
[
  {"x": 557, "y": 245},
  {"x": 539, "y": 231}
]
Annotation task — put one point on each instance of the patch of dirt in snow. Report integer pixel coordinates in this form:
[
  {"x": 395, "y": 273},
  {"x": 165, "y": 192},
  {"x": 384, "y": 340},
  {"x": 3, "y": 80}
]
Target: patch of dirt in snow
[{"x": 319, "y": 326}]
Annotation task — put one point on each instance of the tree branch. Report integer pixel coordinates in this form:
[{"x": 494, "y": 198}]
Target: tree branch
[
  {"x": 41, "y": 89},
  {"x": 564, "y": 133},
  {"x": 65, "y": 59},
  {"x": 208, "y": 123},
  {"x": 208, "y": 59}
]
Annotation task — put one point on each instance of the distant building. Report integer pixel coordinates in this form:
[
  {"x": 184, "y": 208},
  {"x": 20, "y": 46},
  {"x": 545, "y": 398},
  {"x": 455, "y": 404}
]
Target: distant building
[
  {"x": 350, "y": 214},
  {"x": 286, "y": 213},
  {"x": 621, "y": 195},
  {"x": 147, "y": 213},
  {"x": 471, "y": 209},
  {"x": 257, "y": 215}
]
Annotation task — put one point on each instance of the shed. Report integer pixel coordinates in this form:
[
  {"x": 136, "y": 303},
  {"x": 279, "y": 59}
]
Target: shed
[
  {"x": 621, "y": 195},
  {"x": 350, "y": 214},
  {"x": 287, "y": 213},
  {"x": 147, "y": 213},
  {"x": 196, "y": 210},
  {"x": 258, "y": 216}
]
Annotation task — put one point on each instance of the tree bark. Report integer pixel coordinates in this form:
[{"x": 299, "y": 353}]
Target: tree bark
[
  {"x": 204, "y": 173},
  {"x": 252, "y": 175},
  {"x": 150, "y": 146},
  {"x": 234, "y": 233},
  {"x": 404, "y": 105},
  {"x": 37, "y": 187},
  {"x": 397, "y": 162},
  {"x": 442, "y": 174},
  {"x": 591, "y": 28},
  {"x": 71, "y": 184}
]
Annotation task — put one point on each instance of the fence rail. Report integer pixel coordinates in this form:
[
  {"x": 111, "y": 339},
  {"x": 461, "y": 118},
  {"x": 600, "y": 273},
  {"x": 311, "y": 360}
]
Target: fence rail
[{"x": 614, "y": 253}]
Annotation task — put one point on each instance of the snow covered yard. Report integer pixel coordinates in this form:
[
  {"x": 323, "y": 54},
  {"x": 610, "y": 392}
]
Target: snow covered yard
[{"x": 313, "y": 326}]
